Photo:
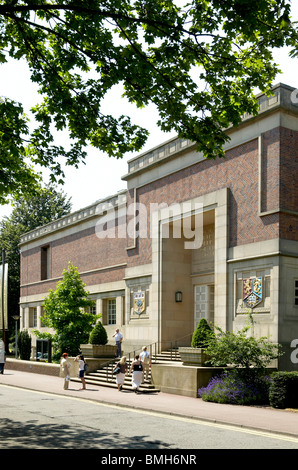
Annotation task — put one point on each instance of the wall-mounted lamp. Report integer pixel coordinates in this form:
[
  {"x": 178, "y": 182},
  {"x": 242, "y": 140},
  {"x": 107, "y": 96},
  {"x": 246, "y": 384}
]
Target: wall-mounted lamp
[{"x": 178, "y": 296}]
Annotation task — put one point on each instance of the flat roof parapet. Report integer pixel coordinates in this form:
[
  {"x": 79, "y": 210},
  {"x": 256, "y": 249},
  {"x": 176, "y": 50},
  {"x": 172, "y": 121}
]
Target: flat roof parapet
[
  {"x": 94, "y": 210},
  {"x": 283, "y": 96},
  {"x": 155, "y": 155}
]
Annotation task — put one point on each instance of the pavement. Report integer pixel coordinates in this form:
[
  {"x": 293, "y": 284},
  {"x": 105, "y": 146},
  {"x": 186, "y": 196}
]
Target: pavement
[{"x": 264, "y": 419}]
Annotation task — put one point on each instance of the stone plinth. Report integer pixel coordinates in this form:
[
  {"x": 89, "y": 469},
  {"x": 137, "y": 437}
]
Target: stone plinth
[
  {"x": 98, "y": 350},
  {"x": 182, "y": 380}
]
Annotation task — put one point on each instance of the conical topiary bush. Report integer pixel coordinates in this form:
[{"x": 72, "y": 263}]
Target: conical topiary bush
[
  {"x": 98, "y": 335},
  {"x": 202, "y": 334},
  {"x": 195, "y": 354}
]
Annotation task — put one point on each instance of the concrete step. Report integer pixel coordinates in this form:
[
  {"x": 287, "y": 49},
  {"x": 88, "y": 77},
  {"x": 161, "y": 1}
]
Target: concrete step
[
  {"x": 172, "y": 356},
  {"x": 102, "y": 382},
  {"x": 103, "y": 377}
]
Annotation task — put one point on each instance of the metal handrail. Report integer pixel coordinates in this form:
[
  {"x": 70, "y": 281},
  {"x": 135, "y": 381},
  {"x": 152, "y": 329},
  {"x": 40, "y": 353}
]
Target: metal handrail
[{"x": 156, "y": 346}]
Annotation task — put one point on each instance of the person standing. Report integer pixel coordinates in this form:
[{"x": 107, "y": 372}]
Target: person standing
[
  {"x": 120, "y": 377},
  {"x": 2, "y": 357},
  {"x": 137, "y": 373},
  {"x": 81, "y": 361},
  {"x": 65, "y": 369},
  {"x": 146, "y": 362},
  {"x": 118, "y": 339}
]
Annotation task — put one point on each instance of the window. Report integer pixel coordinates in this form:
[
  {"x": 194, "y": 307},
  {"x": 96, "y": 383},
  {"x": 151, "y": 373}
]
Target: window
[
  {"x": 32, "y": 317},
  {"x": 296, "y": 292},
  {"x": 111, "y": 311},
  {"x": 92, "y": 309},
  {"x": 45, "y": 263},
  {"x": 203, "y": 303}
]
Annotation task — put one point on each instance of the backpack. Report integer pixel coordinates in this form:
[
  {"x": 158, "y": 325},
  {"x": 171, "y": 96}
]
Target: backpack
[{"x": 86, "y": 367}]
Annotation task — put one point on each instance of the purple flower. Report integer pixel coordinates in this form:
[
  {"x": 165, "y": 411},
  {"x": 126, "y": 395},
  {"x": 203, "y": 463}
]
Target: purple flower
[{"x": 231, "y": 387}]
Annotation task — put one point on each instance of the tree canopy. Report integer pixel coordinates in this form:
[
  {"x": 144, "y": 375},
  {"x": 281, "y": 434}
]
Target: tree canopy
[
  {"x": 199, "y": 62},
  {"x": 28, "y": 213},
  {"x": 66, "y": 311}
]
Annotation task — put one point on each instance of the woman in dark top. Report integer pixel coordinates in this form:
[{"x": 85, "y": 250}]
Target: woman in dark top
[
  {"x": 123, "y": 371},
  {"x": 137, "y": 373}
]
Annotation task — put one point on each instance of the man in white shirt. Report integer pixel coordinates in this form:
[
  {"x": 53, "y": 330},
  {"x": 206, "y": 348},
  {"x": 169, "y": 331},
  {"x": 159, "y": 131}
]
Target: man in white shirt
[
  {"x": 145, "y": 358},
  {"x": 118, "y": 338}
]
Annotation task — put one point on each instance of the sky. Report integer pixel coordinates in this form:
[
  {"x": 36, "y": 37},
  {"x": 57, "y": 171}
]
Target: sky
[{"x": 101, "y": 176}]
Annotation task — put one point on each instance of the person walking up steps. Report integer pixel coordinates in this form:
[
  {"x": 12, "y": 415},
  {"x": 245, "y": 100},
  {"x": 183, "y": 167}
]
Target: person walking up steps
[
  {"x": 120, "y": 377},
  {"x": 137, "y": 373},
  {"x": 146, "y": 362}
]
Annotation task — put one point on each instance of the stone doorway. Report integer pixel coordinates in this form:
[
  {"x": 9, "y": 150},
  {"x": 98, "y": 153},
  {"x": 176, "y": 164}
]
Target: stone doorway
[{"x": 175, "y": 268}]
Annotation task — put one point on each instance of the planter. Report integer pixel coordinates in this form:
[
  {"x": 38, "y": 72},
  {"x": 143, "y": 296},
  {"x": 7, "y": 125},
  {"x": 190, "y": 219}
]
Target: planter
[
  {"x": 193, "y": 356},
  {"x": 98, "y": 350}
]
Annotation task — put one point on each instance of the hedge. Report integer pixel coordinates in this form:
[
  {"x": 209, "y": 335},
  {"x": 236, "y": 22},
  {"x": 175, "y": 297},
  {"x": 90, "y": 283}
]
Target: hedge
[{"x": 283, "y": 391}]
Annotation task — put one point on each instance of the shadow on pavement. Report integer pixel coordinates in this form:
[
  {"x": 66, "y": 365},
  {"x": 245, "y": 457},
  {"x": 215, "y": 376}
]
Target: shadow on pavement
[{"x": 33, "y": 435}]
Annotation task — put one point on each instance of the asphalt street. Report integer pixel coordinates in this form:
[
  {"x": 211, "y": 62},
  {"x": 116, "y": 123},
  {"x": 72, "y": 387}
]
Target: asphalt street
[{"x": 41, "y": 420}]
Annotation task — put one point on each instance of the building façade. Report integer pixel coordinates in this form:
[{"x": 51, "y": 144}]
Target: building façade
[{"x": 188, "y": 238}]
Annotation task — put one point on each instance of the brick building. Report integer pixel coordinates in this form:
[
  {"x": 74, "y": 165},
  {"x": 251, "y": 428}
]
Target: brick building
[{"x": 221, "y": 233}]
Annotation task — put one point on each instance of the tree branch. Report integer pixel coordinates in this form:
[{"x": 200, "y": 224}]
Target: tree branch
[{"x": 13, "y": 9}]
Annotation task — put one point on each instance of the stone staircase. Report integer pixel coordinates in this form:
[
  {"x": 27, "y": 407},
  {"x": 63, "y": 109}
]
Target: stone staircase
[
  {"x": 103, "y": 377},
  {"x": 171, "y": 355}
]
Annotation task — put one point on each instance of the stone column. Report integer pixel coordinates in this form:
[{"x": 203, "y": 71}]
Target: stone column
[
  {"x": 99, "y": 308},
  {"x": 119, "y": 311}
]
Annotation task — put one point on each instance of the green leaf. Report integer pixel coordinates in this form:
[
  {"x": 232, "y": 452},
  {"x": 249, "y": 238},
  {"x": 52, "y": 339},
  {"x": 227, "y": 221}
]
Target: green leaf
[{"x": 160, "y": 52}]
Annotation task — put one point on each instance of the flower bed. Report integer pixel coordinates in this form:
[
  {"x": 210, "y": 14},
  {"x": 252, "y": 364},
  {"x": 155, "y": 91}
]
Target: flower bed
[{"x": 234, "y": 388}]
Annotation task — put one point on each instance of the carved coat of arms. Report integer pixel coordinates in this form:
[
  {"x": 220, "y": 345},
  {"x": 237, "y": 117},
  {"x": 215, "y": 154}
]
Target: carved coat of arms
[
  {"x": 139, "y": 302},
  {"x": 252, "y": 291}
]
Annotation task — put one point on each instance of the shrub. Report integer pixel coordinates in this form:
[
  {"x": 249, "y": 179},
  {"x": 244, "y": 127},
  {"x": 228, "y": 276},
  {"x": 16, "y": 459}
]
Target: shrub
[
  {"x": 240, "y": 350},
  {"x": 98, "y": 335},
  {"x": 202, "y": 334},
  {"x": 24, "y": 345},
  {"x": 283, "y": 392},
  {"x": 235, "y": 388}
]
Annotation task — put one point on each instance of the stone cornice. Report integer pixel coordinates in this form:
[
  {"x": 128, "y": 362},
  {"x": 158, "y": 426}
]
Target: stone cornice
[
  {"x": 78, "y": 217},
  {"x": 282, "y": 98}
]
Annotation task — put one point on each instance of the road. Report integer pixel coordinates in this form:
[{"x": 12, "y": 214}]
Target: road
[{"x": 38, "y": 420}]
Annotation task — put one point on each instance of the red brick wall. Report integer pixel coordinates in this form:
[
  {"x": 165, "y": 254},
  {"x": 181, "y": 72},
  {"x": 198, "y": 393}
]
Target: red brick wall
[
  {"x": 289, "y": 184},
  {"x": 30, "y": 266},
  {"x": 107, "y": 275},
  {"x": 85, "y": 250},
  {"x": 270, "y": 184},
  {"x": 238, "y": 172}
]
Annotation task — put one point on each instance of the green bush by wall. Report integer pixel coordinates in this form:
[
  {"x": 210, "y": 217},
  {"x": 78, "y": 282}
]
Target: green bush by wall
[
  {"x": 202, "y": 334},
  {"x": 283, "y": 391},
  {"x": 24, "y": 345},
  {"x": 98, "y": 335}
]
